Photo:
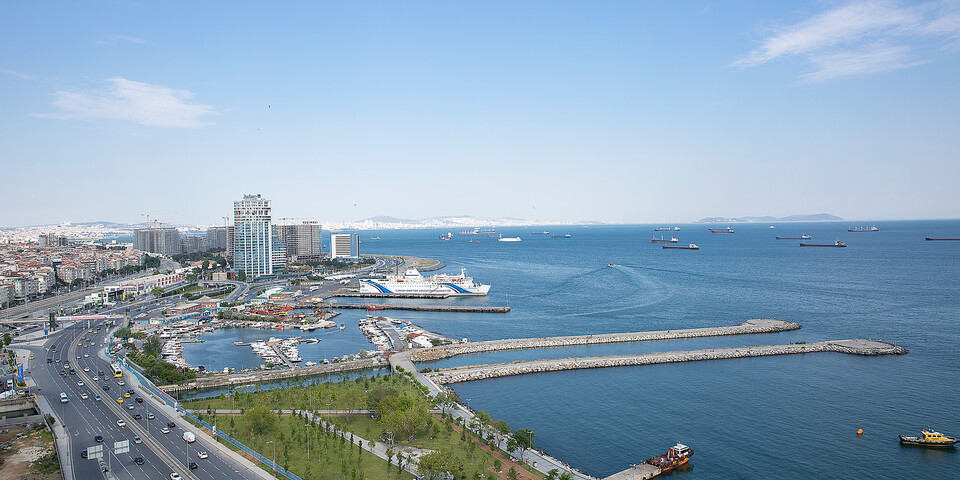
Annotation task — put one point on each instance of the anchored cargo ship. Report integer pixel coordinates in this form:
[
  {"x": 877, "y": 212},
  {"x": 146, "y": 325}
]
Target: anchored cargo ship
[
  {"x": 801, "y": 237},
  {"x": 928, "y": 438},
  {"x": 509, "y": 239},
  {"x": 676, "y": 456},
  {"x": 692, "y": 246},
  {"x": 666, "y": 229},
  {"x": 838, "y": 243},
  {"x": 863, "y": 229},
  {"x": 934, "y": 239},
  {"x": 664, "y": 240},
  {"x": 413, "y": 282},
  {"x": 562, "y": 236},
  {"x": 720, "y": 230}
]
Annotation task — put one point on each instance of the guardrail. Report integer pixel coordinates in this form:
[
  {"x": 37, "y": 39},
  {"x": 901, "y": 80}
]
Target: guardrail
[{"x": 266, "y": 461}]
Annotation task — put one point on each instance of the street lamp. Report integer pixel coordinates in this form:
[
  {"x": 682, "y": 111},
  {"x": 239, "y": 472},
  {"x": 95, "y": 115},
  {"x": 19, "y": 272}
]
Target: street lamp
[{"x": 274, "y": 458}]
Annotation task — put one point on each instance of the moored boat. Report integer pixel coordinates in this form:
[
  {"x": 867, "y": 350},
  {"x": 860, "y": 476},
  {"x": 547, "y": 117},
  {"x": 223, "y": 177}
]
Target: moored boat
[
  {"x": 838, "y": 243},
  {"x": 676, "y": 456},
  {"x": 928, "y": 438}
]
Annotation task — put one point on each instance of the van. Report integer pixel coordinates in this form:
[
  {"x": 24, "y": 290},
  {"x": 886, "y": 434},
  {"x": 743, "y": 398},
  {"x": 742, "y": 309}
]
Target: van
[
  {"x": 63, "y": 398},
  {"x": 189, "y": 437}
]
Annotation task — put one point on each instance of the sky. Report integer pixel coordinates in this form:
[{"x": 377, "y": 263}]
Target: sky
[{"x": 626, "y": 112}]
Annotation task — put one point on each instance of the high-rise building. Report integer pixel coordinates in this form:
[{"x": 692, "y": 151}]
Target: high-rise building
[
  {"x": 252, "y": 236},
  {"x": 190, "y": 244},
  {"x": 217, "y": 238},
  {"x": 344, "y": 245},
  {"x": 302, "y": 241},
  {"x": 278, "y": 250},
  {"x": 164, "y": 240}
]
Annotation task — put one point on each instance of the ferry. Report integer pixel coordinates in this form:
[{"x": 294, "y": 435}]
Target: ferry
[
  {"x": 928, "y": 438},
  {"x": 509, "y": 239},
  {"x": 664, "y": 240},
  {"x": 837, "y": 244},
  {"x": 676, "y": 456},
  {"x": 666, "y": 229},
  {"x": 413, "y": 282},
  {"x": 801, "y": 237},
  {"x": 692, "y": 246},
  {"x": 863, "y": 229},
  {"x": 720, "y": 230}
]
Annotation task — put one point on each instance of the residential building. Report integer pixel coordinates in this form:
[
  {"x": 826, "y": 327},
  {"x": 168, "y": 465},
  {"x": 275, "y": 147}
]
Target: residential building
[
  {"x": 217, "y": 238},
  {"x": 190, "y": 244},
  {"x": 163, "y": 240},
  {"x": 344, "y": 245},
  {"x": 302, "y": 241},
  {"x": 252, "y": 236}
]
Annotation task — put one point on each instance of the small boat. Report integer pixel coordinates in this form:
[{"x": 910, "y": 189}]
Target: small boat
[
  {"x": 720, "y": 230},
  {"x": 676, "y": 456},
  {"x": 801, "y": 237},
  {"x": 241, "y": 344},
  {"x": 838, "y": 244},
  {"x": 611, "y": 264},
  {"x": 664, "y": 240},
  {"x": 863, "y": 229},
  {"x": 342, "y": 326},
  {"x": 771, "y": 226},
  {"x": 692, "y": 246},
  {"x": 928, "y": 438},
  {"x": 934, "y": 239}
]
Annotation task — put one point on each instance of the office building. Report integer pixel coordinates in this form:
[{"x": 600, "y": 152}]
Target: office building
[
  {"x": 344, "y": 245},
  {"x": 252, "y": 236},
  {"x": 302, "y": 241}
]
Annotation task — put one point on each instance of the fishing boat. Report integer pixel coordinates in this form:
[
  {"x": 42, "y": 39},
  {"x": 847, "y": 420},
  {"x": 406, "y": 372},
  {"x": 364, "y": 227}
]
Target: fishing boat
[
  {"x": 474, "y": 241},
  {"x": 928, "y": 438},
  {"x": 837, "y": 244},
  {"x": 676, "y": 456}
]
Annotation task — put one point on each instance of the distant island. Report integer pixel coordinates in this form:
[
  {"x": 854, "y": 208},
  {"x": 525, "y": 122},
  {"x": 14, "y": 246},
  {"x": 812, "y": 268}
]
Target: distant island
[{"x": 809, "y": 217}]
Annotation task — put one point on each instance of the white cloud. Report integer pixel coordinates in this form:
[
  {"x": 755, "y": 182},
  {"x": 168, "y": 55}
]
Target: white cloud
[
  {"x": 143, "y": 103},
  {"x": 12, "y": 73},
  {"x": 860, "y": 37}
]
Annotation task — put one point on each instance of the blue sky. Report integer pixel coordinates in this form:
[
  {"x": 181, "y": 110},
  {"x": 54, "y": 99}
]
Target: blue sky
[{"x": 612, "y": 111}]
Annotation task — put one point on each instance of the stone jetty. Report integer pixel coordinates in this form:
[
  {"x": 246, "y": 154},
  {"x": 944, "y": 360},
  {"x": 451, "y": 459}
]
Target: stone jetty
[
  {"x": 233, "y": 379},
  {"x": 483, "y": 372},
  {"x": 764, "y": 325}
]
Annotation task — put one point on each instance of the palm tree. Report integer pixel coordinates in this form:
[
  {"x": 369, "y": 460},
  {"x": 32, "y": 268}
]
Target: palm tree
[{"x": 566, "y": 476}]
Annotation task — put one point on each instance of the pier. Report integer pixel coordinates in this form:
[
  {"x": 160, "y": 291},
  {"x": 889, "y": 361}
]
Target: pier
[
  {"x": 235, "y": 379},
  {"x": 483, "y": 372},
  {"x": 642, "y": 471},
  {"x": 745, "y": 328},
  {"x": 437, "y": 296},
  {"x": 421, "y": 308}
]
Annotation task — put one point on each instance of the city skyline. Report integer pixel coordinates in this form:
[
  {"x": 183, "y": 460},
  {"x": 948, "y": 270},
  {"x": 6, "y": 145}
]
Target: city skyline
[{"x": 617, "y": 112}]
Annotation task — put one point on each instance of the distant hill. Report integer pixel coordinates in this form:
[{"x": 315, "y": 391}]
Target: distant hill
[{"x": 806, "y": 217}]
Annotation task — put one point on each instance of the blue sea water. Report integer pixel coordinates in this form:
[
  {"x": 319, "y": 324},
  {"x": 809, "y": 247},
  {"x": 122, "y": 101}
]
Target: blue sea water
[{"x": 793, "y": 416}]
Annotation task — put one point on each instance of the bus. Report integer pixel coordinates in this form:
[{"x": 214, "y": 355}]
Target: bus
[{"x": 115, "y": 368}]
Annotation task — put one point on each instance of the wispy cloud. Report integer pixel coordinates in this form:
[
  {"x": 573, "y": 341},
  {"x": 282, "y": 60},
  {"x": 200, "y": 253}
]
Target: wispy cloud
[
  {"x": 861, "y": 37},
  {"x": 143, "y": 103},
  {"x": 12, "y": 73},
  {"x": 112, "y": 39}
]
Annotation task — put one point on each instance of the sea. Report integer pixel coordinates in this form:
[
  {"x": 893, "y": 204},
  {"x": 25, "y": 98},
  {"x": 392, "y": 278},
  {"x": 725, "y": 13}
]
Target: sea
[{"x": 785, "y": 417}]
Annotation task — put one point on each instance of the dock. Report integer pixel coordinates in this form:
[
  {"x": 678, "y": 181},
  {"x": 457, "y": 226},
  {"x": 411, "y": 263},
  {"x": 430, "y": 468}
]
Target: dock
[
  {"x": 439, "y": 296},
  {"x": 421, "y": 308},
  {"x": 484, "y": 372},
  {"x": 754, "y": 326},
  {"x": 642, "y": 471}
]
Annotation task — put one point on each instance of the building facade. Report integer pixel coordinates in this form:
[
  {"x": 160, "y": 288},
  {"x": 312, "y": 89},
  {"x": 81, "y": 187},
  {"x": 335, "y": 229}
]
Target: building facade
[
  {"x": 163, "y": 240},
  {"x": 344, "y": 245},
  {"x": 302, "y": 241},
  {"x": 252, "y": 236}
]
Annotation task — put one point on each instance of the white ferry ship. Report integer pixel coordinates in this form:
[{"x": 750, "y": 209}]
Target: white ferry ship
[{"x": 413, "y": 282}]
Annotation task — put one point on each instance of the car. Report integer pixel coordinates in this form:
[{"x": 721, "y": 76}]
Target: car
[
  {"x": 86, "y": 369},
  {"x": 31, "y": 357},
  {"x": 79, "y": 344},
  {"x": 175, "y": 476},
  {"x": 131, "y": 406},
  {"x": 66, "y": 365},
  {"x": 97, "y": 398},
  {"x": 138, "y": 460},
  {"x": 164, "y": 430},
  {"x": 83, "y": 396},
  {"x": 131, "y": 392},
  {"x": 106, "y": 387},
  {"x": 150, "y": 416},
  {"x": 126, "y": 395},
  {"x": 137, "y": 440},
  {"x": 49, "y": 360},
  {"x": 62, "y": 373},
  {"x": 139, "y": 400},
  {"x": 86, "y": 355},
  {"x": 121, "y": 423},
  {"x": 171, "y": 425},
  {"x": 83, "y": 453},
  {"x": 98, "y": 439},
  {"x": 121, "y": 383},
  {"x": 79, "y": 384},
  {"x": 202, "y": 454},
  {"x": 100, "y": 373},
  {"x": 193, "y": 465},
  {"x": 119, "y": 400},
  {"x": 78, "y": 357},
  {"x": 96, "y": 379},
  {"x": 137, "y": 416}
]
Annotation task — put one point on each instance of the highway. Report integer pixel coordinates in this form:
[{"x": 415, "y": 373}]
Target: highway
[{"x": 87, "y": 418}]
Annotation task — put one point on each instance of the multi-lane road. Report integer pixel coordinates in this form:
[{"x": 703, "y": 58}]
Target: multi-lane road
[{"x": 81, "y": 349}]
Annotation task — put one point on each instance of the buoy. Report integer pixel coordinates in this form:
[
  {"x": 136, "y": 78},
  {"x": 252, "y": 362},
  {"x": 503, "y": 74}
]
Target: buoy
[{"x": 859, "y": 431}]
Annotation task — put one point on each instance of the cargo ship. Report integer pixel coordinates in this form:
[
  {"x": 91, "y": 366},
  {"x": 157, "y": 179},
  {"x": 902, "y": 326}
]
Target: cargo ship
[
  {"x": 838, "y": 243},
  {"x": 474, "y": 241},
  {"x": 562, "y": 236},
  {"x": 720, "y": 230},
  {"x": 542, "y": 233},
  {"x": 675, "y": 457},
  {"x": 666, "y": 229},
  {"x": 801, "y": 237},
  {"x": 412, "y": 282},
  {"x": 446, "y": 236},
  {"x": 470, "y": 232},
  {"x": 934, "y": 239},
  {"x": 692, "y": 246},
  {"x": 664, "y": 240},
  {"x": 863, "y": 229},
  {"x": 509, "y": 239},
  {"x": 928, "y": 438}
]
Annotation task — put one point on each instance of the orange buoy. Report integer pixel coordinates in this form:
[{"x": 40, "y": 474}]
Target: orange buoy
[{"x": 860, "y": 431}]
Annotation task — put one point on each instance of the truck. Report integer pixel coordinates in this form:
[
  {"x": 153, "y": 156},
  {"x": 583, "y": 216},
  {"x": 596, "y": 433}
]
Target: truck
[{"x": 189, "y": 437}]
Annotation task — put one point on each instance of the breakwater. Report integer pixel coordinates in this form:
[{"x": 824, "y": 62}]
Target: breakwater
[
  {"x": 483, "y": 372},
  {"x": 220, "y": 381},
  {"x": 745, "y": 328},
  {"x": 421, "y": 308}
]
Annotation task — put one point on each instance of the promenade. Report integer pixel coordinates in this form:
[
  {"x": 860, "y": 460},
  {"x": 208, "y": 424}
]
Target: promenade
[
  {"x": 483, "y": 372},
  {"x": 234, "y": 379}
]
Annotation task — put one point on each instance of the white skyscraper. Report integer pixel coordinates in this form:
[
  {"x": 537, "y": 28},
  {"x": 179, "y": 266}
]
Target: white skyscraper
[{"x": 252, "y": 239}]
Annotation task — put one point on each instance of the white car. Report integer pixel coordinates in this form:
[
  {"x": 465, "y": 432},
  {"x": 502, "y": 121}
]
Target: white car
[
  {"x": 86, "y": 355},
  {"x": 202, "y": 454},
  {"x": 121, "y": 423},
  {"x": 86, "y": 369},
  {"x": 83, "y": 396},
  {"x": 96, "y": 378},
  {"x": 137, "y": 440},
  {"x": 164, "y": 430},
  {"x": 175, "y": 476},
  {"x": 79, "y": 384},
  {"x": 121, "y": 383}
]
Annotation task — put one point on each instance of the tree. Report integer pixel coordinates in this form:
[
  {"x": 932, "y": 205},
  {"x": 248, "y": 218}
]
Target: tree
[
  {"x": 241, "y": 276},
  {"x": 552, "y": 474},
  {"x": 7, "y": 339},
  {"x": 436, "y": 465},
  {"x": 513, "y": 474},
  {"x": 389, "y": 458},
  {"x": 261, "y": 419},
  {"x": 447, "y": 399},
  {"x": 523, "y": 439},
  {"x": 500, "y": 429},
  {"x": 151, "y": 348},
  {"x": 157, "y": 291},
  {"x": 566, "y": 476},
  {"x": 497, "y": 464}
]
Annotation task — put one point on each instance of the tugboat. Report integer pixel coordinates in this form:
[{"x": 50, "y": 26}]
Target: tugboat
[
  {"x": 928, "y": 438},
  {"x": 675, "y": 457}
]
